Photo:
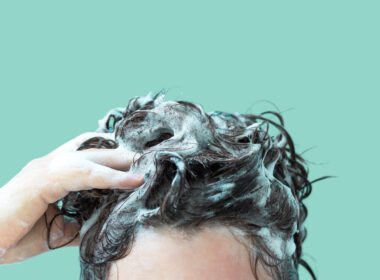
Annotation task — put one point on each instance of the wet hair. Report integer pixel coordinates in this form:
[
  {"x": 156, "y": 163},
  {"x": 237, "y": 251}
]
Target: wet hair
[{"x": 200, "y": 169}]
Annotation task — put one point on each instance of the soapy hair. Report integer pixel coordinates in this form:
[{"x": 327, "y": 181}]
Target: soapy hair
[{"x": 200, "y": 169}]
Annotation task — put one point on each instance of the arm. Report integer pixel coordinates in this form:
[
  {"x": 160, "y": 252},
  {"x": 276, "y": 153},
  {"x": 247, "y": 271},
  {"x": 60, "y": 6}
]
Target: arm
[{"x": 29, "y": 195}]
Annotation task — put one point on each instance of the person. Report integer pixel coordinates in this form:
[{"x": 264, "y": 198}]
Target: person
[{"x": 220, "y": 199}]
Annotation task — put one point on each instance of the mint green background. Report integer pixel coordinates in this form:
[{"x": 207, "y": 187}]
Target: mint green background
[{"x": 64, "y": 64}]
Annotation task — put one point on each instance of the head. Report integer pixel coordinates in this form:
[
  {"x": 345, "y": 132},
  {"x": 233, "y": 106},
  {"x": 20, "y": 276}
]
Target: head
[
  {"x": 206, "y": 174},
  {"x": 212, "y": 253}
]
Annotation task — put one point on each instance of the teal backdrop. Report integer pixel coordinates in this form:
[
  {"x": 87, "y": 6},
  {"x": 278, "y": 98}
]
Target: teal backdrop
[{"x": 64, "y": 64}]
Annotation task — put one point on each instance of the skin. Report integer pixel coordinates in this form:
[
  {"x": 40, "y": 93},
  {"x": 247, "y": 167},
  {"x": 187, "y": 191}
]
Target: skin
[
  {"x": 43, "y": 181},
  {"x": 213, "y": 253}
]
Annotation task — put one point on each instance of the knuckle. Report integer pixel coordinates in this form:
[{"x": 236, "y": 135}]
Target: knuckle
[
  {"x": 89, "y": 173},
  {"x": 65, "y": 163},
  {"x": 36, "y": 162},
  {"x": 100, "y": 182},
  {"x": 96, "y": 177},
  {"x": 33, "y": 162},
  {"x": 84, "y": 169}
]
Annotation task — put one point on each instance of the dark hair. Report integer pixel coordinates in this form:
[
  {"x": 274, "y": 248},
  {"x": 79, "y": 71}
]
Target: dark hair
[{"x": 200, "y": 169}]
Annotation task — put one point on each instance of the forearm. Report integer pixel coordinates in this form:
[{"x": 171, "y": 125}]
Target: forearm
[
  {"x": 35, "y": 242},
  {"x": 30, "y": 245},
  {"x": 21, "y": 206}
]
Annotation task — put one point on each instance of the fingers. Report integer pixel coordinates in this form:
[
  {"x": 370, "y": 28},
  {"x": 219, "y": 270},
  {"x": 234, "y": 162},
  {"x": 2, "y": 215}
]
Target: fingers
[
  {"x": 72, "y": 170},
  {"x": 120, "y": 158},
  {"x": 102, "y": 177}
]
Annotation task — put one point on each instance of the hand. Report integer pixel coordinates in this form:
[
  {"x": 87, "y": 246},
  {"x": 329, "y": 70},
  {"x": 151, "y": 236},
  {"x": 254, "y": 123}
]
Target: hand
[{"x": 29, "y": 195}]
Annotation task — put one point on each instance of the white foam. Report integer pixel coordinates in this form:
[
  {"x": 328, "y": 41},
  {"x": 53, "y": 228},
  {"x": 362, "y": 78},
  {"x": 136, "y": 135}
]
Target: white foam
[
  {"x": 91, "y": 221},
  {"x": 144, "y": 213},
  {"x": 2, "y": 251},
  {"x": 280, "y": 247},
  {"x": 272, "y": 241},
  {"x": 225, "y": 190}
]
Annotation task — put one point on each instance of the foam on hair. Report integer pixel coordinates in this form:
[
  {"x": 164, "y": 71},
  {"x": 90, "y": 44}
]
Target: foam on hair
[{"x": 200, "y": 169}]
